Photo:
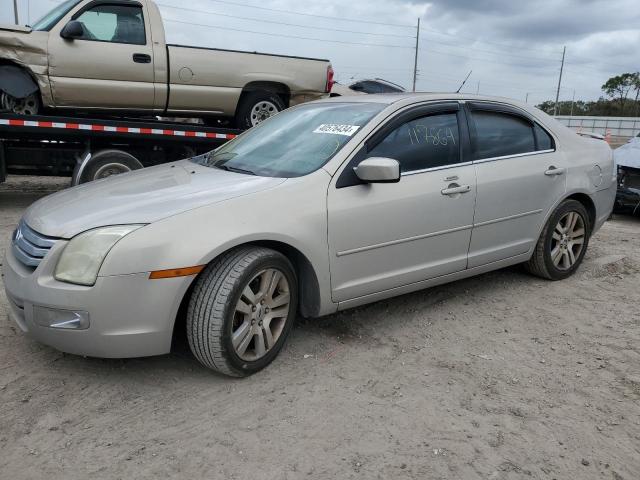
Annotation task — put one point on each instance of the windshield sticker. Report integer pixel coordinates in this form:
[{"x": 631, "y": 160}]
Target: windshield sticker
[{"x": 336, "y": 129}]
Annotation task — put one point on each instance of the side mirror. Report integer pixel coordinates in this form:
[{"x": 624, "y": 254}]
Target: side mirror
[
  {"x": 71, "y": 30},
  {"x": 378, "y": 170}
]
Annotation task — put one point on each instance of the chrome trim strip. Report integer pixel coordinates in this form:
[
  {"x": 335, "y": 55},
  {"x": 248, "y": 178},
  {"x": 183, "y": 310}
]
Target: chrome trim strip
[
  {"x": 517, "y": 155},
  {"x": 510, "y": 217},
  {"x": 34, "y": 237},
  {"x": 24, "y": 258},
  {"x": 435, "y": 169},
  {"x": 29, "y": 248},
  {"x": 402, "y": 240}
]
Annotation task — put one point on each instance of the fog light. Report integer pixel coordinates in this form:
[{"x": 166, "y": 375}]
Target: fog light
[{"x": 56, "y": 318}]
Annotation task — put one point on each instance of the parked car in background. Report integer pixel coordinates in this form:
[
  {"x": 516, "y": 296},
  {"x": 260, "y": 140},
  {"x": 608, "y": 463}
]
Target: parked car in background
[
  {"x": 627, "y": 158},
  {"x": 377, "y": 85},
  {"x": 286, "y": 219},
  {"x": 111, "y": 56}
]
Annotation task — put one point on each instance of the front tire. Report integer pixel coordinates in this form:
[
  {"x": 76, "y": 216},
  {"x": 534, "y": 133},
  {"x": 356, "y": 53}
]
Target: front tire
[
  {"x": 562, "y": 243},
  {"x": 29, "y": 105},
  {"x": 241, "y": 310}
]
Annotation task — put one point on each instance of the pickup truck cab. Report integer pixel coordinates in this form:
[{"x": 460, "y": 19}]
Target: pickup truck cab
[{"x": 111, "y": 56}]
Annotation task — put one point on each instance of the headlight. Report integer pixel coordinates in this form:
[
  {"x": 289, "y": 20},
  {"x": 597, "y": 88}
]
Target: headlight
[{"x": 82, "y": 257}]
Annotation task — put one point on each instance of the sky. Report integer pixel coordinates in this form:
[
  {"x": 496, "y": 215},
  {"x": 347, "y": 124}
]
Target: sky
[{"x": 513, "y": 48}]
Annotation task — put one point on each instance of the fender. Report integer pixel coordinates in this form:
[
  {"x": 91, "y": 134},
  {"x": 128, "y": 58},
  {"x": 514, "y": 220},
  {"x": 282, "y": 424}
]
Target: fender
[{"x": 16, "y": 82}]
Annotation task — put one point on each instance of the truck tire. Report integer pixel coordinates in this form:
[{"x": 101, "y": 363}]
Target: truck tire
[
  {"x": 29, "y": 105},
  {"x": 109, "y": 162},
  {"x": 256, "y": 107},
  {"x": 562, "y": 243},
  {"x": 241, "y": 310}
]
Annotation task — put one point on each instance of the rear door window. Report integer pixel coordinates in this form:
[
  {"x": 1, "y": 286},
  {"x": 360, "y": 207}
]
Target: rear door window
[{"x": 499, "y": 134}]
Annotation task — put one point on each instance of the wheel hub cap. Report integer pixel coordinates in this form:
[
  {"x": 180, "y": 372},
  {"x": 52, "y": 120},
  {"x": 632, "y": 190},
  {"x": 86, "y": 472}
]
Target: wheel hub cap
[{"x": 261, "y": 111}]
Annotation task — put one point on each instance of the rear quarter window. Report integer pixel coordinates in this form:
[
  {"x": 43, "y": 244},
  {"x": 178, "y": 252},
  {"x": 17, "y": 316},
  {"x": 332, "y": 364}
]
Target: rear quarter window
[{"x": 543, "y": 139}]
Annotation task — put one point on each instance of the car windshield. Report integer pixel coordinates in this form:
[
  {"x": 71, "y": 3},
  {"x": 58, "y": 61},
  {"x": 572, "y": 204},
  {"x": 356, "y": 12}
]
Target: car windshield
[
  {"x": 47, "y": 22},
  {"x": 294, "y": 142}
]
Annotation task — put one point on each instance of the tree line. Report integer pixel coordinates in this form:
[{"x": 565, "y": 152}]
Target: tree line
[{"x": 622, "y": 100}]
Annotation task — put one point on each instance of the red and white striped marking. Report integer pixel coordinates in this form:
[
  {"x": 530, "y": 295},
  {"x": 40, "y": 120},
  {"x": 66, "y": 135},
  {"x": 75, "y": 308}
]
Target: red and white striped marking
[{"x": 110, "y": 128}]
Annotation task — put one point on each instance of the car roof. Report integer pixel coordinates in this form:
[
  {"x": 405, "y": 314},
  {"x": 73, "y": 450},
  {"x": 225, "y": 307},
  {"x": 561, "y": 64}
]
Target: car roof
[
  {"x": 414, "y": 97},
  {"x": 382, "y": 81}
]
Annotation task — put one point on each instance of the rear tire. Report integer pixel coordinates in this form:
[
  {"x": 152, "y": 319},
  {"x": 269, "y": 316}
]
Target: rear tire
[
  {"x": 255, "y": 107},
  {"x": 562, "y": 243},
  {"x": 241, "y": 310}
]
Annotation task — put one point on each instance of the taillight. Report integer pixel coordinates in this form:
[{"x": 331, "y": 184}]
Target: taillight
[{"x": 330, "y": 81}]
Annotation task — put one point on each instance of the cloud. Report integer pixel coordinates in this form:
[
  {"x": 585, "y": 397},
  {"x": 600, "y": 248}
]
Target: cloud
[{"x": 513, "y": 47}]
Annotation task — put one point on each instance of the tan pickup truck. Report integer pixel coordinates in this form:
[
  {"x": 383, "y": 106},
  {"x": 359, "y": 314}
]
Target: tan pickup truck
[{"x": 110, "y": 56}]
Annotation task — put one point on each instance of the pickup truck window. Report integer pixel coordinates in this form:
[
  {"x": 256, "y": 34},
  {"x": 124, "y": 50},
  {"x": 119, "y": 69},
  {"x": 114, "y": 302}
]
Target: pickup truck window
[
  {"x": 113, "y": 23},
  {"x": 47, "y": 22},
  {"x": 294, "y": 142}
]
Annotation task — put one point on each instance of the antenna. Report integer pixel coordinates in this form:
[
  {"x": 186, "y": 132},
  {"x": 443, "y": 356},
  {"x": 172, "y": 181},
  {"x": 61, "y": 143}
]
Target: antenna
[{"x": 465, "y": 81}]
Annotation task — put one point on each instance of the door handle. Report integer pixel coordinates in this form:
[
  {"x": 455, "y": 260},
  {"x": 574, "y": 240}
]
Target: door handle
[
  {"x": 455, "y": 189},
  {"x": 141, "y": 58},
  {"x": 553, "y": 171}
]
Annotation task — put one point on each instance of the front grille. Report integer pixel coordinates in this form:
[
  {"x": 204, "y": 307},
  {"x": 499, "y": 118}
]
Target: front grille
[{"x": 29, "y": 246}]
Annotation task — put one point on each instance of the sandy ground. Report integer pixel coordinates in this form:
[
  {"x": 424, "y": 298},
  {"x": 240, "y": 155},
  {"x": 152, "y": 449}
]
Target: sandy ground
[{"x": 503, "y": 376}]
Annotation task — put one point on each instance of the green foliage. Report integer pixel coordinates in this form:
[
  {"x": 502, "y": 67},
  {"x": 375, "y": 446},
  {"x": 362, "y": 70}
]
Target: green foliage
[{"x": 623, "y": 92}]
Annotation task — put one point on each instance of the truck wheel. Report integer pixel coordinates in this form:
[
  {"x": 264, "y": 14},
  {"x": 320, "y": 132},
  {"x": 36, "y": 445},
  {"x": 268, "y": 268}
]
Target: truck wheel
[
  {"x": 562, "y": 243},
  {"x": 241, "y": 310},
  {"x": 256, "y": 107},
  {"x": 29, "y": 105},
  {"x": 109, "y": 162}
]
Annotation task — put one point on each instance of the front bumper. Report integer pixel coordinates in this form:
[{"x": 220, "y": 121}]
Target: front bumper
[{"x": 128, "y": 315}]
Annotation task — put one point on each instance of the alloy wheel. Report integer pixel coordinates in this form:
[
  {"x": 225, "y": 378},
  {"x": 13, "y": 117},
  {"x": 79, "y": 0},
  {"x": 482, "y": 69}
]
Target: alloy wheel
[
  {"x": 568, "y": 240},
  {"x": 260, "y": 314}
]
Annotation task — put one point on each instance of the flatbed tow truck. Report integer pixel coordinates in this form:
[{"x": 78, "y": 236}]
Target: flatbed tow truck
[{"x": 88, "y": 149}]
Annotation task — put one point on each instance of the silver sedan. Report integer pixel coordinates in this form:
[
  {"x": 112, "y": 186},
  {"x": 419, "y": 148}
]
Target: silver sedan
[{"x": 323, "y": 207}]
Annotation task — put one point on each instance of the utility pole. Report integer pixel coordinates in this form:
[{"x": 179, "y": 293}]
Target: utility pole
[
  {"x": 415, "y": 62},
  {"x": 555, "y": 108},
  {"x": 15, "y": 11},
  {"x": 478, "y": 88},
  {"x": 573, "y": 100},
  {"x": 526, "y": 98}
]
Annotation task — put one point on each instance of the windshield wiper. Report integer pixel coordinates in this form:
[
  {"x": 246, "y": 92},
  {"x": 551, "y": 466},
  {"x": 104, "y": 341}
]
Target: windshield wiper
[{"x": 235, "y": 169}]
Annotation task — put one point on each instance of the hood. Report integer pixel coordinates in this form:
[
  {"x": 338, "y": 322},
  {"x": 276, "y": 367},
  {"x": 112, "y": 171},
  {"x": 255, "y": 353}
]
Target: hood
[
  {"x": 628, "y": 155},
  {"x": 142, "y": 196},
  {"x": 15, "y": 28}
]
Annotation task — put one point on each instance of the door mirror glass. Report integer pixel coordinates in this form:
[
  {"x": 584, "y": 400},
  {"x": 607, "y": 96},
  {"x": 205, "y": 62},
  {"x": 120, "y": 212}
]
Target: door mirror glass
[
  {"x": 378, "y": 170},
  {"x": 72, "y": 30}
]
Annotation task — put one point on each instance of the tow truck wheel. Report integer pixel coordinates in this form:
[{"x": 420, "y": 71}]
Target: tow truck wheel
[
  {"x": 256, "y": 107},
  {"x": 29, "y": 105},
  {"x": 107, "y": 163}
]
